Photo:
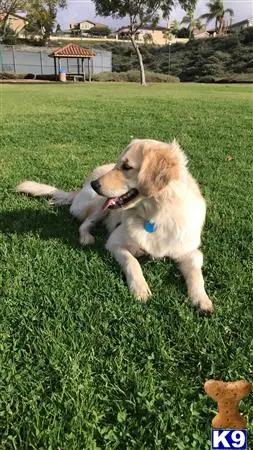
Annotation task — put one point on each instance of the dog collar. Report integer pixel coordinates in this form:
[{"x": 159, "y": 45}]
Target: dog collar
[{"x": 149, "y": 227}]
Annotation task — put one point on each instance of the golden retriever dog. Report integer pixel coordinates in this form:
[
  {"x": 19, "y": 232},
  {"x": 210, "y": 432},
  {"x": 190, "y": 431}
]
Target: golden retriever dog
[
  {"x": 151, "y": 205},
  {"x": 85, "y": 205}
]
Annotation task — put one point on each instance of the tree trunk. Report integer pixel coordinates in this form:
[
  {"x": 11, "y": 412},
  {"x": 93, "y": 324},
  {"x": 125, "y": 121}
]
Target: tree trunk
[
  {"x": 6, "y": 23},
  {"x": 191, "y": 32},
  {"x": 139, "y": 56},
  {"x": 216, "y": 26},
  {"x": 221, "y": 27}
]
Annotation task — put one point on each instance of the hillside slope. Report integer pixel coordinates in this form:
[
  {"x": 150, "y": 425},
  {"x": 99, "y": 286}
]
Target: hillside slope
[{"x": 208, "y": 60}]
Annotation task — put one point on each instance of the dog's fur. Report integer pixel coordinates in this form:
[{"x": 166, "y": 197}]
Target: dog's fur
[{"x": 168, "y": 196}]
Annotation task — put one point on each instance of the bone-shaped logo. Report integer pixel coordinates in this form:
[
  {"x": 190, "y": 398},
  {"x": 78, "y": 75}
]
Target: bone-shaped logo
[{"x": 228, "y": 396}]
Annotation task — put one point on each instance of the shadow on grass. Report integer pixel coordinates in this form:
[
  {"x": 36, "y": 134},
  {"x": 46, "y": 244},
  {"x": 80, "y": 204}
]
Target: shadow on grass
[
  {"x": 51, "y": 224},
  {"x": 54, "y": 224},
  {"x": 59, "y": 224}
]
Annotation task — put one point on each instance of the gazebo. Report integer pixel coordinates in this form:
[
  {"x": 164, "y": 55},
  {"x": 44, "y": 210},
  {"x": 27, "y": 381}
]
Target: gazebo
[{"x": 71, "y": 51}]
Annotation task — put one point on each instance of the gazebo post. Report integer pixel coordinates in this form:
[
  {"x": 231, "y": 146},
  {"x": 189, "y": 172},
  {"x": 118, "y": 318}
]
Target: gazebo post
[
  {"x": 55, "y": 69},
  {"x": 91, "y": 66},
  {"x": 83, "y": 69},
  {"x": 78, "y": 66},
  {"x": 89, "y": 70}
]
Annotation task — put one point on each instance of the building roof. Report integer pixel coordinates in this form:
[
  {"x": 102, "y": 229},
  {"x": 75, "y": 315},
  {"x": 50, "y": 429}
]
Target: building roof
[
  {"x": 72, "y": 51},
  {"x": 200, "y": 33},
  {"x": 87, "y": 20},
  {"x": 242, "y": 22},
  {"x": 14, "y": 15},
  {"x": 96, "y": 24}
]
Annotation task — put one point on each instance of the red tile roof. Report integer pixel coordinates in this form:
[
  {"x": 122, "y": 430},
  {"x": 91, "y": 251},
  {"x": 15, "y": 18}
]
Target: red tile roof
[{"x": 72, "y": 51}]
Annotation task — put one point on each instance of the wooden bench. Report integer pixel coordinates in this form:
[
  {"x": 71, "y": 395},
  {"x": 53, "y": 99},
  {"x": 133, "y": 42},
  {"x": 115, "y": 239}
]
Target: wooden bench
[{"x": 76, "y": 76}]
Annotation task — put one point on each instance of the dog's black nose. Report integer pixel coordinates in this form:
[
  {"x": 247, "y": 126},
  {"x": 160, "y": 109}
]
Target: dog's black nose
[{"x": 95, "y": 184}]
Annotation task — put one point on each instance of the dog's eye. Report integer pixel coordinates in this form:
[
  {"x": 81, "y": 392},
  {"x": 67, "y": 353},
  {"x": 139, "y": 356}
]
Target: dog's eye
[{"x": 126, "y": 166}]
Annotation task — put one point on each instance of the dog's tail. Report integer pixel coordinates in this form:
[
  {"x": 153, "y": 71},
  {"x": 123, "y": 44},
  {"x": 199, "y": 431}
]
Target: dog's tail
[{"x": 44, "y": 190}]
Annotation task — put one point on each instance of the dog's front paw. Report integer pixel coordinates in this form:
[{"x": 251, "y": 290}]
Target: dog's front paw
[
  {"x": 140, "y": 289},
  {"x": 86, "y": 238},
  {"x": 204, "y": 304}
]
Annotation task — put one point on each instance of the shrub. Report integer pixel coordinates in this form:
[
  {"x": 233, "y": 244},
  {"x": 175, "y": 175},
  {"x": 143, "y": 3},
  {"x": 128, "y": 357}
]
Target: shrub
[
  {"x": 25, "y": 76},
  {"x": 207, "y": 79},
  {"x": 183, "y": 33},
  {"x": 48, "y": 77},
  {"x": 30, "y": 76},
  {"x": 250, "y": 63},
  {"x": 8, "y": 37},
  {"x": 11, "y": 76},
  {"x": 249, "y": 70},
  {"x": 154, "y": 77},
  {"x": 223, "y": 56},
  {"x": 106, "y": 76},
  {"x": 246, "y": 36},
  {"x": 99, "y": 31},
  {"x": 237, "y": 78},
  {"x": 134, "y": 76}
]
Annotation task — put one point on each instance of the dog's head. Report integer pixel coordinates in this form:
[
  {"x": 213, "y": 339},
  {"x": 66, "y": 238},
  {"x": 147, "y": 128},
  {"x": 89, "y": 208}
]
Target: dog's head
[{"x": 145, "y": 168}]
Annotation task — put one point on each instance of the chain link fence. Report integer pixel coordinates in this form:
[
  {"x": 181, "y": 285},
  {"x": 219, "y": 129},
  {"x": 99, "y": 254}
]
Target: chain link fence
[{"x": 37, "y": 61}]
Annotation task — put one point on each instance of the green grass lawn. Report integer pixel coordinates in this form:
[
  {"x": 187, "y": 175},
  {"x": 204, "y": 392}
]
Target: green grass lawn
[{"x": 83, "y": 365}]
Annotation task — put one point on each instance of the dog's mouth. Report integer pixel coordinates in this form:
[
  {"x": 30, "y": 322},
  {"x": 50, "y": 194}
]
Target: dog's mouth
[{"x": 119, "y": 202}]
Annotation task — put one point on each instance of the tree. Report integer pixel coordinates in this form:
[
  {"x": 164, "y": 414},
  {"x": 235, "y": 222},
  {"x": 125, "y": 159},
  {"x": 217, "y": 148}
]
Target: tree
[
  {"x": 148, "y": 38},
  {"x": 192, "y": 22},
  {"x": 140, "y": 13},
  {"x": 41, "y": 16},
  {"x": 168, "y": 35},
  {"x": 100, "y": 31},
  {"x": 183, "y": 33},
  {"x": 58, "y": 28},
  {"x": 217, "y": 13},
  {"x": 8, "y": 7},
  {"x": 174, "y": 27},
  {"x": 76, "y": 31},
  {"x": 7, "y": 35}
]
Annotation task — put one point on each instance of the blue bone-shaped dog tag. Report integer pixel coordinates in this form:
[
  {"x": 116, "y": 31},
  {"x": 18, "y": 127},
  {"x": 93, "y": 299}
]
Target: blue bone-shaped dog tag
[{"x": 149, "y": 227}]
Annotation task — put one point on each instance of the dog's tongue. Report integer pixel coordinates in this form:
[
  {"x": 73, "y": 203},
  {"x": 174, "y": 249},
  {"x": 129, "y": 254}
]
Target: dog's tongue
[{"x": 109, "y": 202}]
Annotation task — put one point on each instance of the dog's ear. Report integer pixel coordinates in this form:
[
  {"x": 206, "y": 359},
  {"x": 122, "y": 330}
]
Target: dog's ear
[{"x": 159, "y": 167}]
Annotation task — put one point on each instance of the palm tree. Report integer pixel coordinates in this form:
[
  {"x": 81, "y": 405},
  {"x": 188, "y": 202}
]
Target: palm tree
[
  {"x": 192, "y": 22},
  {"x": 174, "y": 27},
  {"x": 168, "y": 36},
  {"x": 217, "y": 13}
]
